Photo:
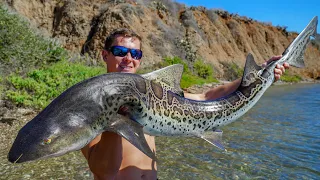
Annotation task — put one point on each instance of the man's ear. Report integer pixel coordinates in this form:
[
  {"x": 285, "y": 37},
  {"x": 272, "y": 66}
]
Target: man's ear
[{"x": 104, "y": 55}]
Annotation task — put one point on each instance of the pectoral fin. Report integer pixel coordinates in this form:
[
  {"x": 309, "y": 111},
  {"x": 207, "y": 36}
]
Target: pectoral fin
[
  {"x": 133, "y": 132},
  {"x": 214, "y": 138}
]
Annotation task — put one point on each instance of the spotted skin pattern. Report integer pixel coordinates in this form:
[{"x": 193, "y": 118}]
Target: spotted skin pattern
[{"x": 168, "y": 114}]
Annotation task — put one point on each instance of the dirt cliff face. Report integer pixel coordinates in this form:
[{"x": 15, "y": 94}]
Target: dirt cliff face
[{"x": 167, "y": 28}]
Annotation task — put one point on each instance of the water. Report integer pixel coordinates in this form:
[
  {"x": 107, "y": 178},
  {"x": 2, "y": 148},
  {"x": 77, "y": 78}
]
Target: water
[{"x": 278, "y": 139}]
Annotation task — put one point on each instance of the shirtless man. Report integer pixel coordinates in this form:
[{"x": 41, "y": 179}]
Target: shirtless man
[{"x": 109, "y": 155}]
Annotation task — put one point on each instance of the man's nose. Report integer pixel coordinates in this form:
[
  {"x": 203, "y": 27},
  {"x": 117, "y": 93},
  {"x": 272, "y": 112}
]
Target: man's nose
[{"x": 128, "y": 58}]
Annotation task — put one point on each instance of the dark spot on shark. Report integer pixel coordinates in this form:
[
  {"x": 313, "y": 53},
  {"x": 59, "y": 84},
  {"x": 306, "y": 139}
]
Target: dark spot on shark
[
  {"x": 178, "y": 110},
  {"x": 190, "y": 122},
  {"x": 169, "y": 123},
  {"x": 150, "y": 118},
  {"x": 201, "y": 115},
  {"x": 145, "y": 115},
  {"x": 233, "y": 99},
  {"x": 152, "y": 104},
  {"x": 186, "y": 112},
  {"x": 166, "y": 112},
  {"x": 157, "y": 89},
  {"x": 164, "y": 105},
  {"x": 173, "y": 116},
  {"x": 184, "y": 119},
  {"x": 218, "y": 116},
  {"x": 209, "y": 115},
  {"x": 140, "y": 85},
  {"x": 158, "y": 108},
  {"x": 246, "y": 90},
  {"x": 170, "y": 97}
]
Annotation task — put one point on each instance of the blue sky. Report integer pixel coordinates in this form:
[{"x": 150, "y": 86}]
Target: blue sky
[{"x": 294, "y": 14}]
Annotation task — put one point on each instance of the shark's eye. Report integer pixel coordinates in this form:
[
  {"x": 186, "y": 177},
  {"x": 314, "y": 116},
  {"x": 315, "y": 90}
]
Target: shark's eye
[{"x": 46, "y": 141}]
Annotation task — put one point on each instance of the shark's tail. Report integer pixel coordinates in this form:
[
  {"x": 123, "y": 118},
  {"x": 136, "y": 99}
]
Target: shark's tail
[{"x": 294, "y": 53}]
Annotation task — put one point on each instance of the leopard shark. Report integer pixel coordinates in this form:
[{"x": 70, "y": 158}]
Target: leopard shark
[{"x": 152, "y": 103}]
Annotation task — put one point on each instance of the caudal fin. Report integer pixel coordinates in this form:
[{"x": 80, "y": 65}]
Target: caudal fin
[{"x": 294, "y": 53}]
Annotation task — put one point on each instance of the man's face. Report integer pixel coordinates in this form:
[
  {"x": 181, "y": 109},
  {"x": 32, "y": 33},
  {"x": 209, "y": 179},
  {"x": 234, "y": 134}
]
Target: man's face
[{"x": 122, "y": 64}]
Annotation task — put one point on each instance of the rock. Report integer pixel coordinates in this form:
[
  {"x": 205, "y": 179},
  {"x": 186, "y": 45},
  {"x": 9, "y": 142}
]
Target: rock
[
  {"x": 8, "y": 120},
  {"x": 3, "y": 110},
  {"x": 25, "y": 112},
  {"x": 2, "y": 103}
]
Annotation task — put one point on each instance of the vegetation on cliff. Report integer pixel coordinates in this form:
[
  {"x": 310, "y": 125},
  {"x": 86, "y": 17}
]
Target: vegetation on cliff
[{"x": 38, "y": 69}]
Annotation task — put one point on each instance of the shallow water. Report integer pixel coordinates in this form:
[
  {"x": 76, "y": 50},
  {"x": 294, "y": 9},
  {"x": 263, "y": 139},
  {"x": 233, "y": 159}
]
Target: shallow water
[{"x": 279, "y": 138}]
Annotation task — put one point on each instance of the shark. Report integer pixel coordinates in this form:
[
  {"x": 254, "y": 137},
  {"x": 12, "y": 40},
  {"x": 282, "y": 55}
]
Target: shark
[{"x": 154, "y": 104}]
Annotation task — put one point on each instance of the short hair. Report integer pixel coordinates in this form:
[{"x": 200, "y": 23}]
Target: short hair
[{"x": 122, "y": 32}]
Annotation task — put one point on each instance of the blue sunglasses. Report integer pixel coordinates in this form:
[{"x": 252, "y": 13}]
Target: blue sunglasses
[{"x": 123, "y": 51}]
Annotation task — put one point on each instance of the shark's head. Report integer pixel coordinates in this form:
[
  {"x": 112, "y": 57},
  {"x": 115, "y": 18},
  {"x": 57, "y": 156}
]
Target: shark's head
[
  {"x": 63, "y": 126},
  {"x": 39, "y": 139}
]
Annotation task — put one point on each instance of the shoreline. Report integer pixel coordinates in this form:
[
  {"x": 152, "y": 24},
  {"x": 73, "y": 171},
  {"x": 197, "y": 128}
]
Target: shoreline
[{"x": 205, "y": 87}]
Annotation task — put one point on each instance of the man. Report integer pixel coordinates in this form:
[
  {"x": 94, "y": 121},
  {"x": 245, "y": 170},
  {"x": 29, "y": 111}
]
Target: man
[{"x": 109, "y": 155}]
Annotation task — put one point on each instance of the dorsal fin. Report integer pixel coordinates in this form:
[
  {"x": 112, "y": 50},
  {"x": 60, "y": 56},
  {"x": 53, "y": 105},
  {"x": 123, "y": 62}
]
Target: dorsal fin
[
  {"x": 169, "y": 76},
  {"x": 250, "y": 67}
]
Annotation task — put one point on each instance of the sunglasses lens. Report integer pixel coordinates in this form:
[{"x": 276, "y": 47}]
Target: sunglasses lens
[
  {"x": 136, "y": 53},
  {"x": 119, "y": 51},
  {"x": 123, "y": 51}
]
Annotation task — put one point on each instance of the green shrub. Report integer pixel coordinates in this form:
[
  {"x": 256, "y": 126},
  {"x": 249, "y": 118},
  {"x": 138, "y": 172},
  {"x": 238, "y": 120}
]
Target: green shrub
[
  {"x": 21, "y": 48},
  {"x": 175, "y": 60},
  {"x": 203, "y": 70},
  {"x": 231, "y": 70},
  {"x": 290, "y": 78},
  {"x": 40, "y": 86}
]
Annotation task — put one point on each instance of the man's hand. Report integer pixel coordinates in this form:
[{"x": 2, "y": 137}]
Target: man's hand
[{"x": 280, "y": 69}]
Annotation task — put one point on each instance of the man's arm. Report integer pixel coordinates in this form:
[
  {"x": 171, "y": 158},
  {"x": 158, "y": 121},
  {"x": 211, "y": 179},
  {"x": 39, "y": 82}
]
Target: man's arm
[{"x": 226, "y": 89}]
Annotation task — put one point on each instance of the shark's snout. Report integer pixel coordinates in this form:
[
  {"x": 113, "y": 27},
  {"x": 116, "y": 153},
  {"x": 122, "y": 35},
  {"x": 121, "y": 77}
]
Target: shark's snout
[{"x": 14, "y": 158}]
